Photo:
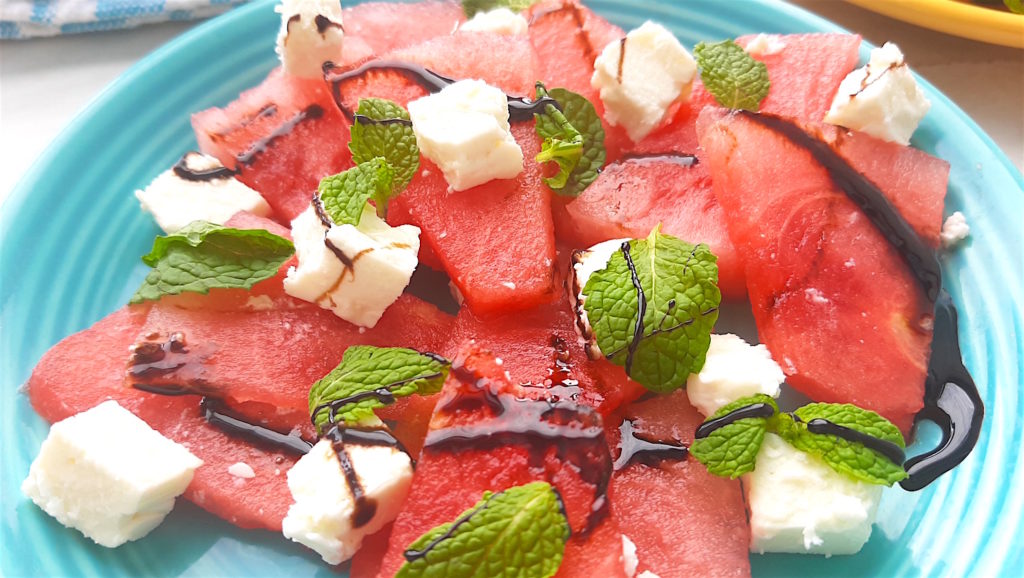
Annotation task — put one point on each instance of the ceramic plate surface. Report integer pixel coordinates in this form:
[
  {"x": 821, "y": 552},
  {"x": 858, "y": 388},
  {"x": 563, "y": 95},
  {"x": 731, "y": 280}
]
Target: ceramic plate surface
[
  {"x": 72, "y": 235},
  {"x": 987, "y": 23}
]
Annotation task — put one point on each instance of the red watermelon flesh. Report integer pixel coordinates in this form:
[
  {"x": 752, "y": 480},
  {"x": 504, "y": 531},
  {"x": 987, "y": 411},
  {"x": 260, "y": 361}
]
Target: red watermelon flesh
[
  {"x": 87, "y": 368},
  {"x": 833, "y": 300},
  {"x": 449, "y": 480},
  {"x": 289, "y": 130},
  {"x": 387, "y": 26},
  {"x": 247, "y": 220},
  {"x": 683, "y": 520},
  {"x": 634, "y": 194}
]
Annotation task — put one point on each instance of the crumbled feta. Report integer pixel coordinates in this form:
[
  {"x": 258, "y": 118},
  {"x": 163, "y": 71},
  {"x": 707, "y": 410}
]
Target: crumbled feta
[
  {"x": 241, "y": 470},
  {"x": 954, "y": 230},
  {"x": 881, "y": 98},
  {"x": 322, "y": 516},
  {"x": 175, "y": 199},
  {"x": 800, "y": 505},
  {"x": 464, "y": 130},
  {"x": 311, "y": 34},
  {"x": 379, "y": 262},
  {"x": 765, "y": 45},
  {"x": 107, "y": 474},
  {"x": 497, "y": 21},
  {"x": 584, "y": 264},
  {"x": 733, "y": 369},
  {"x": 648, "y": 574},
  {"x": 629, "y": 559},
  {"x": 640, "y": 78}
]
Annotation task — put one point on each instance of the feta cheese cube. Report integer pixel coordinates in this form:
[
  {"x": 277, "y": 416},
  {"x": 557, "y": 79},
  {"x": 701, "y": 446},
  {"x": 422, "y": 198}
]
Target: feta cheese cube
[
  {"x": 584, "y": 264},
  {"x": 954, "y": 230},
  {"x": 765, "y": 45},
  {"x": 497, "y": 21},
  {"x": 107, "y": 474},
  {"x": 881, "y": 98},
  {"x": 641, "y": 77},
  {"x": 322, "y": 516},
  {"x": 629, "y": 559},
  {"x": 356, "y": 272},
  {"x": 732, "y": 370},
  {"x": 800, "y": 505},
  {"x": 198, "y": 188},
  {"x": 311, "y": 34},
  {"x": 464, "y": 130}
]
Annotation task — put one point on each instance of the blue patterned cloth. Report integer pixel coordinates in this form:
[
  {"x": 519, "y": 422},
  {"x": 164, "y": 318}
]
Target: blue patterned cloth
[{"x": 28, "y": 18}]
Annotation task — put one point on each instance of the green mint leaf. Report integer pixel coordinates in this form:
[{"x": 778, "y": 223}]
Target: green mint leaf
[
  {"x": 731, "y": 451},
  {"x": 518, "y": 533},
  {"x": 1015, "y": 6},
  {"x": 679, "y": 285},
  {"x": 202, "y": 256},
  {"x": 370, "y": 377},
  {"x": 850, "y": 458},
  {"x": 733, "y": 77},
  {"x": 382, "y": 129},
  {"x": 345, "y": 194},
  {"x": 471, "y": 7},
  {"x": 573, "y": 138}
]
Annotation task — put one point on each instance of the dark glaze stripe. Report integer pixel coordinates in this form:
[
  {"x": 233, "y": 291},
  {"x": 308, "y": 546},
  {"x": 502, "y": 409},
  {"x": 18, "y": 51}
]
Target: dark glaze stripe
[
  {"x": 323, "y": 23},
  {"x": 888, "y": 449},
  {"x": 519, "y": 108},
  {"x": 216, "y": 416},
  {"x": 384, "y": 394},
  {"x": 951, "y": 398},
  {"x": 341, "y": 438},
  {"x": 412, "y": 555},
  {"x": 311, "y": 112},
  {"x": 622, "y": 59},
  {"x": 747, "y": 411},
  {"x": 635, "y": 448},
  {"x": 641, "y": 304},
  {"x": 365, "y": 120},
  {"x": 185, "y": 172}
]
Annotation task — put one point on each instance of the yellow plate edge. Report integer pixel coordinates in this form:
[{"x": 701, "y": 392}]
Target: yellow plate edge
[{"x": 957, "y": 18}]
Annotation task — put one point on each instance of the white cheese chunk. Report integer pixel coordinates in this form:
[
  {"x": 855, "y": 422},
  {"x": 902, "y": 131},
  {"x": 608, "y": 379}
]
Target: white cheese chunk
[
  {"x": 311, "y": 34},
  {"x": 800, "y": 505},
  {"x": 629, "y": 559},
  {"x": 241, "y": 470},
  {"x": 641, "y": 77},
  {"x": 464, "y": 130},
  {"x": 497, "y": 21},
  {"x": 648, "y": 574},
  {"x": 175, "y": 200},
  {"x": 379, "y": 261},
  {"x": 733, "y": 369},
  {"x": 322, "y": 516},
  {"x": 765, "y": 45},
  {"x": 954, "y": 230},
  {"x": 881, "y": 98},
  {"x": 107, "y": 474},
  {"x": 584, "y": 264}
]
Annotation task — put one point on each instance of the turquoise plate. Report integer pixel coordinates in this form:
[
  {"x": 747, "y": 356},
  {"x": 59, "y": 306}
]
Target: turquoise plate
[{"x": 73, "y": 234}]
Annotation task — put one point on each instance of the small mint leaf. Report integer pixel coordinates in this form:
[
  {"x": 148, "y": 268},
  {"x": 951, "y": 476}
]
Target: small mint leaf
[
  {"x": 345, "y": 194},
  {"x": 1015, "y": 6},
  {"x": 731, "y": 75},
  {"x": 370, "y": 377},
  {"x": 471, "y": 7},
  {"x": 518, "y": 533},
  {"x": 203, "y": 256},
  {"x": 679, "y": 286},
  {"x": 382, "y": 129},
  {"x": 573, "y": 138},
  {"x": 731, "y": 451}
]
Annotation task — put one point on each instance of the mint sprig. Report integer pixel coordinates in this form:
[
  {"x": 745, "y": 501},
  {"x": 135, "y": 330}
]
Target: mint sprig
[
  {"x": 370, "y": 377},
  {"x": 382, "y": 129},
  {"x": 203, "y": 256},
  {"x": 660, "y": 331},
  {"x": 735, "y": 78},
  {"x": 731, "y": 451},
  {"x": 573, "y": 138},
  {"x": 471, "y": 7},
  {"x": 518, "y": 533},
  {"x": 345, "y": 194}
]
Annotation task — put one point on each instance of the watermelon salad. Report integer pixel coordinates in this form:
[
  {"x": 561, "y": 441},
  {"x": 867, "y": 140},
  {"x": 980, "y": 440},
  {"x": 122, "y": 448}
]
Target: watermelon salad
[{"x": 446, "y": 303}]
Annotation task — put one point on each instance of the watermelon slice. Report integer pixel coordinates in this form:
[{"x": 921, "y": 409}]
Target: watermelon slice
[
  {"x": 683, "y": 520},
  {"x": 388, "y": 26},
  {"x": 282, "y": 137},
  {"x": 833, "y": 300},
  {"x": 247, "y": 220},
  {"x": 451, "y": 478}
]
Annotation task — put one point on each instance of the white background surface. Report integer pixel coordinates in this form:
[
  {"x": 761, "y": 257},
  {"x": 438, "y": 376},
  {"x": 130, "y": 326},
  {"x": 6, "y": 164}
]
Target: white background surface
[{"x": 45, "y": 82}]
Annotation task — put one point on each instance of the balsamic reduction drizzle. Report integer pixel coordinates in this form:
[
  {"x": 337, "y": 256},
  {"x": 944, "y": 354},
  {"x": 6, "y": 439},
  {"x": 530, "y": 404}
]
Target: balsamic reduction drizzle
[
  {"x": 641, "y": 309},
  {"x": 341, "y": 438},
  {"x": 888, "y": 449},
  {"x": 150, "y": 358},
  {"x": 384, "y": 394},
  {"x": 752, "y": 410},
  {"x": 323, "y": 23},
  {"x": 217, "y": 416},
  {"x": 313, "y": 111},
  {"x": 635, "y": 448},
  {"x": 412, "y": 555},
  {"x": 519, "y": 108},
  {"x": 952, "y": 400},
  {"x": 185, "y": 172},
  {"x": 363, "y": 119}
]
